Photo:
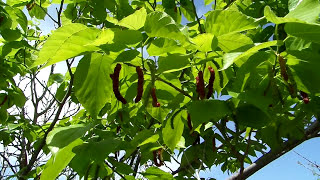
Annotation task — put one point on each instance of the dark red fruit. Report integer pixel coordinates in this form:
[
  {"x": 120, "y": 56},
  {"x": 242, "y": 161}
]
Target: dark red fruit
[
  {"x": 115, "y": 80},
  {"x": 140, "y": 84},
  {"x": 155, "y": 102},
  {"x": 211, "y": 81},
  {"x": 200, "y": 85},
  {"x": 305, "y": 97}
]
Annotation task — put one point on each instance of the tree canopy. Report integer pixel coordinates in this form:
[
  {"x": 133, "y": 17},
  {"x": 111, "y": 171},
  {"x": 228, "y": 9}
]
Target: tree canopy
[{"x": 152, "y": 82}]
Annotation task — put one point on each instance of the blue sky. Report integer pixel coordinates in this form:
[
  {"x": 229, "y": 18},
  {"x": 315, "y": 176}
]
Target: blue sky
[{"x": 284, "y": 168}]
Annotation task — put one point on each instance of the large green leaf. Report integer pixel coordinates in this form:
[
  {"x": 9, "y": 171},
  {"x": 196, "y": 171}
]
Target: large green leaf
[
  {"x": 172, "y": 134},
  {"x": 207, "y": 110},
  {"x": 63, "y": 136},
  {"x": 98, "y": 151},
  {"x": 93, "y": 86},
  {"x": 221, "y": 22},
  {"x": 205, "y": 42},
  {"x": 134, "y": 21},
  {"x": 173, "y": 62},
  {"x": 230, "y": 58},
  {"x": 59, "y": 161},
  {"x": 234, "y": 42},
  {"x": 309, "y": 32},
  {"x": 154, "y": 173},
  {"x": 161, "y": 46},
  {"x": 66, "y": 42},
  {"x": 251, "y": 116},
  {"x": 306, "y": 11},
  {"x": 160, "y": 24},
  {"x": 305, "y": 68},
  {"x": 17, "y": 15},
  {"x": 144, "y": 137}
]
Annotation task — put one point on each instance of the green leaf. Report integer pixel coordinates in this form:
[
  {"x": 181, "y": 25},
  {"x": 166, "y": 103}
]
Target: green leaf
[
  {"x": 272, "y": 17},
  {"x": 66, "y": 42},
  {"x": 234, "y": 42},
  {"x": 171, "y": 137},
  {"x": 93, "y": 86},
  {"x": 3, "y": 115},
  {"x": 230, "y": 58},
  {"x": 98, "y": 151},
  {"x": 294, "y": 43},
  {"x": 305, "y": 68},
  {"x": 59, "y": 161},
  {"x": 205, "y": 42},
  {"x": 306, "y": 11},
  {"x": 154, "y": 173},
  {"x": 18, "y": 15},
  {"x": 127, "y": 56},
  {"x": 207, "y": 110},
  {"x": 250, "y": 116},
  {"x": 59, "y": 78},
  {"x": 18, "y": 97},
  {"x": 38, "y": 12},
  {"x": 221, "y": 22},
  {"x": 10, "y": 34},
  {"x": 187, "y": 10},
  {"x": 15, "y": 2},
  {"x": 144, "y": 137},
  {"x": 63, "y": 136},
  {"x": 136, "y": 20},
  {"x": 309, "y": 32},
  {"x": 160, "y": 24},
  {"x": 207, "y": 2},
  {"x": 161, "y": 46},
  {"x": 105, "y": 37},
  {"x": 173, "y": 62}
]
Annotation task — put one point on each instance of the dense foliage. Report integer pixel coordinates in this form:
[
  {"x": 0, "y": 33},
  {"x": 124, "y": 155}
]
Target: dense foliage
[{"x": 156, "y": 82}]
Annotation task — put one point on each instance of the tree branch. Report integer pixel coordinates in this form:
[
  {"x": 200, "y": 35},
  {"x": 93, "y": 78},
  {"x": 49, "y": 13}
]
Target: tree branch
[
  {"x": 197, "y": 17},
  {"x": 56, "y": 118},
  {"x": 9, "y": 164},
  {"x": 267, "y": 158}
]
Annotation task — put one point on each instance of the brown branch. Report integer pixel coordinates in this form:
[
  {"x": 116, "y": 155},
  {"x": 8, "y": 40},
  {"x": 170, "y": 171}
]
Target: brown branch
[
  {"x": 267, "y": 158},
  {"x": 6, "y": 159},
  {"x": 56, "y": 118},
  {"x": 114, "y": 170},
  {"x": 59, "y": 13},
  {"x": 197, "y": 17}
]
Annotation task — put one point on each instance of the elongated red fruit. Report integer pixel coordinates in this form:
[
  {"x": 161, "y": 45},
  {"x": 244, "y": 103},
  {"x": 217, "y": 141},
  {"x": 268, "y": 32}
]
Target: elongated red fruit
[
  {"x": 211, "y": 81},
  {"x": 155, "y": 102},
  {"x": 115, "y": 80},
  {"x": 200, "y": 85},
  {"x": 189, "y": 122},
  {"x": 140, "y": 84},
  {"x": 157, "y": 157},
  {"x": 283, "y": 69},
  {"x": 305, "y": 97}
]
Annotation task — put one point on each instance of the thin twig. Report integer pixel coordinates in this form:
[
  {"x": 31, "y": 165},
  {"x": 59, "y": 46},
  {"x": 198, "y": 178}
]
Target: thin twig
[
  {"x": 6, "y": 159},
  {"x": 56, "y": 118},
  {"x": 175, "y": 87},
  {"x": 114, "y": 170},
  {"x": 197, "y": 17}
]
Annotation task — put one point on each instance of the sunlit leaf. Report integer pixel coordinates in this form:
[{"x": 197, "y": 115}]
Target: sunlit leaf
[
  {"x": 221, "y": 22},
  {"x": 66, "y": 42},
  {"x": 93, "y": 83}
]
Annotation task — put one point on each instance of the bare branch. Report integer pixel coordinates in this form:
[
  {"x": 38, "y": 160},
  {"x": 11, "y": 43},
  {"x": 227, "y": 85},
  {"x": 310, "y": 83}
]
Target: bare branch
[{"x": 267, "y": 158}]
